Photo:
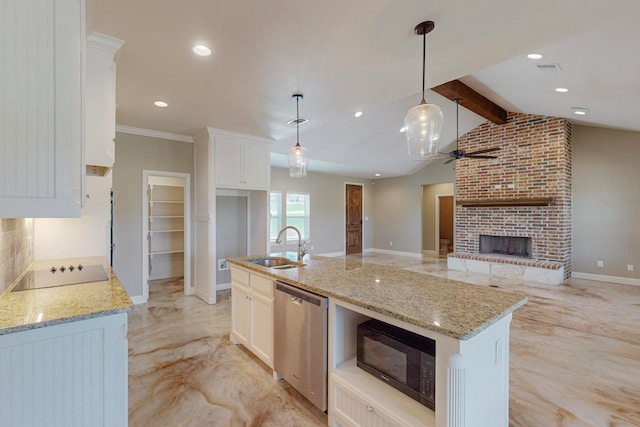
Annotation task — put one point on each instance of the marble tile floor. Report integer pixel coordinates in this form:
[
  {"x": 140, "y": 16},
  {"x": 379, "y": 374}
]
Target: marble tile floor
[
  {"x": 184, "y": 371},
  {"x": 575, "y": 358}
]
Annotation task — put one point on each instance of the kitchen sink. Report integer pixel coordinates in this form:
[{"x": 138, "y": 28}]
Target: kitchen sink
[{"x": 275, "y": 262}]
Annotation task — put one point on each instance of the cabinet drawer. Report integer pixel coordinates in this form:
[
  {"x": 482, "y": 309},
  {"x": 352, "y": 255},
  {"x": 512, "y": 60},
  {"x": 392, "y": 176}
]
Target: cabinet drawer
[
  {"x": 239, "y": 275},
  {"x": 262, "y": 285}
]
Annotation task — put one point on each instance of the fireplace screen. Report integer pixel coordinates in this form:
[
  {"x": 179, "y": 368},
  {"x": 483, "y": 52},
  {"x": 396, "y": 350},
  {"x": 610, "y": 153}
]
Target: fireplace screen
[{"x": 505, "y": 245}]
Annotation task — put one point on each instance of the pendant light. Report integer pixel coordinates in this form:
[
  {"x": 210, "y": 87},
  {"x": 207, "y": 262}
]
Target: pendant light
[
  {"x": 423, "y": 122},
  {"x": 298, "y": 155}
]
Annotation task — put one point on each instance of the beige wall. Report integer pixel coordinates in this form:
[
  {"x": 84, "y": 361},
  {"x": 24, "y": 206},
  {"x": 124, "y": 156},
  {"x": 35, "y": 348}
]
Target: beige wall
[
  {"x": 327, "y": 207},
  {"x": 16, "y": 249},
  {"x": 429, "y": 214},
  {"x": 606, "y": 201},
  {"x": 134, "y": 154},
  {"x": 398, "y": 207}
]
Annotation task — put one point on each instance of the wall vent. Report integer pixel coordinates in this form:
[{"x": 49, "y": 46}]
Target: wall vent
[{"x": 549, "y": 67}]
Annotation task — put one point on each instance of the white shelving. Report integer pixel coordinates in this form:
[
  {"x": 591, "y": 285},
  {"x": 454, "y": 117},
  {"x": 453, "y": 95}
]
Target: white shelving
[{"x": 166, "y": 231}]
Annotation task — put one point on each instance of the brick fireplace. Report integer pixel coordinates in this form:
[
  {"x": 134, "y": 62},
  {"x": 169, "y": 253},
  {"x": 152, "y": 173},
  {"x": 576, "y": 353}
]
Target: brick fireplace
[{"x": 525, "y": 192}]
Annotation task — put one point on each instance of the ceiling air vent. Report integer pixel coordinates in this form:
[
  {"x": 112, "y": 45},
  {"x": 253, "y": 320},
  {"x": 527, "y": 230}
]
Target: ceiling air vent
[{"x": 549, "y": 67}]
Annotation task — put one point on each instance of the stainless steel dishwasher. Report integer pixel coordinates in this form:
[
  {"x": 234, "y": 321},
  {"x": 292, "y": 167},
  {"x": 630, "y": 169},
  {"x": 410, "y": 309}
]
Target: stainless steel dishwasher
[{"x": 300, "y": 353}]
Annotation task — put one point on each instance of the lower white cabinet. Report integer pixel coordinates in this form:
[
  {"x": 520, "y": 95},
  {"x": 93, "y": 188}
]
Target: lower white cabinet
[
  {"x": 68, "y": 375},
  {"x": 252, "y": 312}
]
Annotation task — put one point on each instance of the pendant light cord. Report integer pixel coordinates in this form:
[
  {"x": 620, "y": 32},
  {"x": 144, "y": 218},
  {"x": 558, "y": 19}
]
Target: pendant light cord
[
  {"x": 424, "y": 60},
  {"x": 457, "y": 108},
  {"x": 297, "y": 120}
]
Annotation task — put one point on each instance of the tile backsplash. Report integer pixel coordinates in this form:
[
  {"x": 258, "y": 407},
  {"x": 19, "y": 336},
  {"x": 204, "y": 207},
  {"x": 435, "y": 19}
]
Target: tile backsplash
[{"x": 16, "y": 249}]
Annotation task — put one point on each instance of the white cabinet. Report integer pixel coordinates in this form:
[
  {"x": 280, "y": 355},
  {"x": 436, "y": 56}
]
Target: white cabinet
[
  {"x": 241, "y": 162},
  {"x": 68, "y": 375},
  {"x": 100, "y": 97},
  {"x": 41, "y": 117},
  {"x": 252, "y": 312}
]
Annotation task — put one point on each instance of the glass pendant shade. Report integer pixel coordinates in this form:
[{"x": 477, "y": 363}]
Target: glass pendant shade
[
  {"x": 298, "y": 161},
  {"x": 423, "y": 125}
]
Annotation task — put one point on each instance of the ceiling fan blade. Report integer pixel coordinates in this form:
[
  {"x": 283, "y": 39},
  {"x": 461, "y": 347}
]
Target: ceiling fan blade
[
  {"x": 473, "y": 156},
  {"x": 486, "y": 150},
  {"x": 449, "y": 161}
]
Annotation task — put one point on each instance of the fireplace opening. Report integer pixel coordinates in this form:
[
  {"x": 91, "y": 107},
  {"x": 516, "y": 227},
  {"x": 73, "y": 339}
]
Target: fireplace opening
[{"x": 505, "y": 245}]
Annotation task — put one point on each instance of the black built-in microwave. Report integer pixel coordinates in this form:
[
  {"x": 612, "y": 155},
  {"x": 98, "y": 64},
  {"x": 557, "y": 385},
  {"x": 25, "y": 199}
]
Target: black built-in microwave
[{"x": 402, "y": 359}]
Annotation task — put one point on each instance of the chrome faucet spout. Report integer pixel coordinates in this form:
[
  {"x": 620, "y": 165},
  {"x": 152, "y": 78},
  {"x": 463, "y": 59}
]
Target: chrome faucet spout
[{"x": 302, "y": 251}]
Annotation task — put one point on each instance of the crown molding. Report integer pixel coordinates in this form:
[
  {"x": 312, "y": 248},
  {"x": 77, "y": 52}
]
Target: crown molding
[{"x": 153, "y": 133}]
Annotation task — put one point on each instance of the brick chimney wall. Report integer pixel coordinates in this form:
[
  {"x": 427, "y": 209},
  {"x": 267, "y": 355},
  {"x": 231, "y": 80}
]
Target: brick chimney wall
[{"x": 534, "y": 162}]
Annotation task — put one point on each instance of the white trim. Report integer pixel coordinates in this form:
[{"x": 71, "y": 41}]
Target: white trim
[
  {"x": 430, "y": 253},
  {"x": 204, "y": 297},
  {"x": 604, "y": 278},
  {"x": 139, "y": 299},
  {"x": 389, "y": 252},
  {"x": 253, "y": 138},
  {"x": 153, "y": 133},
  {"x": 104, "y": 42},
  {"x": 223, "y": 286}
]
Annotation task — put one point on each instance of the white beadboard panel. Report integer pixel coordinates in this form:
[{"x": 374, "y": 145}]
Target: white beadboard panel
[
  {"x": 41, "y": 79},
  {"x": 68, "y": 375}
]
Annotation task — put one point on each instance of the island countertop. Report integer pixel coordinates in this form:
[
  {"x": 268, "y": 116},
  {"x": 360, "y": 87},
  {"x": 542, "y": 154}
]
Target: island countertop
[
  {"x": 456, "y": 309},
  {"x": 37, "y": 308}
]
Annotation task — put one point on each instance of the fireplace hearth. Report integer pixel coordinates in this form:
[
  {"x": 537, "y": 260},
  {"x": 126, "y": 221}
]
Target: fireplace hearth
[{"x": 505, "y": 245}]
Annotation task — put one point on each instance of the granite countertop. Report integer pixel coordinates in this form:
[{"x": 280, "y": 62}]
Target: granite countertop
[
  {"x": 37, "y": 308},
  {"x": 456, "y": 309}
]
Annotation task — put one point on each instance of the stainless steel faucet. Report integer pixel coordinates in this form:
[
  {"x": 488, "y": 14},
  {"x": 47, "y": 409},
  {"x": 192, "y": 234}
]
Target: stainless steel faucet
[{"x": 302, "y": 251}]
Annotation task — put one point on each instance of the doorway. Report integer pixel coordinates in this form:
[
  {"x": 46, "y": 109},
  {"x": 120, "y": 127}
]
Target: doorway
[
  {"x": 445, "y": 225},
  {"x": 166, "y": 229},
  {"x": 353, "y": 219},
  {"x": 437, "y": 219}
]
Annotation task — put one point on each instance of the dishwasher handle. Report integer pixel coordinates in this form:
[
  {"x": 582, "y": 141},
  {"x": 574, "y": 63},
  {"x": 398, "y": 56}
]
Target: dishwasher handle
[{"x": 301, "y": 294}]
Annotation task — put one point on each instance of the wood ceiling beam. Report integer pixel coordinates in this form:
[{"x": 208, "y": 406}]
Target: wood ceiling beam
[{"x": 472, "y": 100}]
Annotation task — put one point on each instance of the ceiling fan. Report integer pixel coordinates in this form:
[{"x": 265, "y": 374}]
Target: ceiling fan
[{"x": 458, "y": 154}]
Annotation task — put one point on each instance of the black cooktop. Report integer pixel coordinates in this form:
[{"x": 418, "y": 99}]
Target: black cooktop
[{"x": 60, "y": 276}]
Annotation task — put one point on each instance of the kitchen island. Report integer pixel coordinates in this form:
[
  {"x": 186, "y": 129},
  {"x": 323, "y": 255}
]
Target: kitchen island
[
  {"x": 469, "y": 323},
  {"x": 63, "y": 352}
]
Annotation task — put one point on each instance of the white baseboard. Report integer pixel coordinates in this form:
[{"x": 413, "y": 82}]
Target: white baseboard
[
  {"x": 139, "y": 299},
  {"x": 205, "y": 297},
  {"x": 399, "y": 253},
  {"x": 603, "y": 278},
  {"x": 223, "y": 286},
  {"x": 429, "y": 252},
  {"x": 332, "y": 254}
]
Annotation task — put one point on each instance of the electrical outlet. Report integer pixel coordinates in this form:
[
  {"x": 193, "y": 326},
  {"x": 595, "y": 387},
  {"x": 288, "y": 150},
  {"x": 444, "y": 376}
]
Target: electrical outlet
[
  {"x": 512, "y": 185},
  {"x": 629, "y": 267},
  {"x": 600, "y": 263},
  {"x": 390, "y": 243},
  {"x": 223, "y": 265},
  {"x": 498, "y": 186}
]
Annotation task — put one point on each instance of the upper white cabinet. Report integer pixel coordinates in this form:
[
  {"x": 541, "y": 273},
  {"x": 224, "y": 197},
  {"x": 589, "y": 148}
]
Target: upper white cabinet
[
  {"x": 241, "y": 161},
  {"x": 100, "y": 96},
  {"x": 41, "y": 111}
]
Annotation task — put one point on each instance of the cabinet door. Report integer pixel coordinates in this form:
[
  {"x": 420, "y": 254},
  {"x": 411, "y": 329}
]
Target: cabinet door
[
  {"x": 241, "y": 313},
  {"x": 228, "y": 161},
  {"x": 41, "y": 108},
  {"x": 353, "y": 410},
  {"x": 262, "y": 325},
  {"x": 256, "y": 165}
]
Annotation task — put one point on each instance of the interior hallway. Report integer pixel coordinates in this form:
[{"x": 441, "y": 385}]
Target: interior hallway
[{"x": 575, "y": 358}]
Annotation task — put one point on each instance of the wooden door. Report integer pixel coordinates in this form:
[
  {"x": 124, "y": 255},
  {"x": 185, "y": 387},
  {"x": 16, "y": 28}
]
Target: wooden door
[{"x": 353, "y": 219}]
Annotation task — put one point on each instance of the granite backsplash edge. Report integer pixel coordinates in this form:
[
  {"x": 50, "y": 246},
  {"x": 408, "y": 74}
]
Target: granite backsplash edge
[{"x": 16, "y": 249}]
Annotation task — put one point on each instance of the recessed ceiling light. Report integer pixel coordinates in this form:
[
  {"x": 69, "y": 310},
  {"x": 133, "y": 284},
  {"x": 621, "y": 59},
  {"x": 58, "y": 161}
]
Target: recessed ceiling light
[
  {"x": 562, "y": 89},
  {"x": 358, "y": 114},
  {"x": 161, "y": 104},
  {"x": 201, "y": 50},
  {"x": 377, "y": 174},
  {"x": 534, "y": 56},
  {"x": 403, "y": 130},
  {"x": 580, "y": 111}
]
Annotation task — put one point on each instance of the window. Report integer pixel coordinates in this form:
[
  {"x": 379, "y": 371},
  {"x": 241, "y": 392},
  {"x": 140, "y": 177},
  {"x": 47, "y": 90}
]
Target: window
[
  {"x": 298, "y": 215},
  {"x": 275, "y": 214},
  {"x": 296, "y": 208}
]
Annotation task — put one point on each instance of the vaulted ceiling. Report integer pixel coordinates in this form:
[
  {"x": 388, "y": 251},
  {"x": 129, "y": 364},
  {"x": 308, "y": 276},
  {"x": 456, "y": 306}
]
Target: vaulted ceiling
[{"x": 348, "y": 56}]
